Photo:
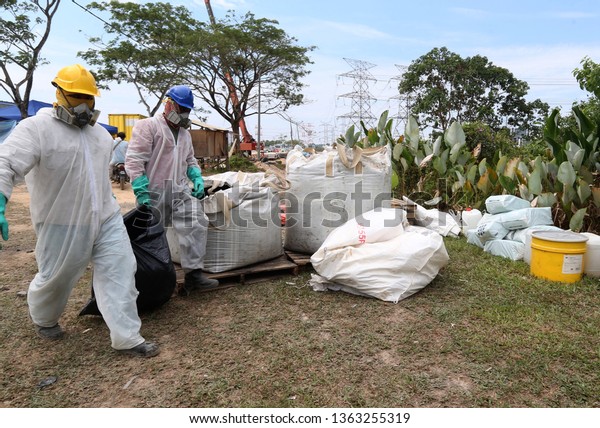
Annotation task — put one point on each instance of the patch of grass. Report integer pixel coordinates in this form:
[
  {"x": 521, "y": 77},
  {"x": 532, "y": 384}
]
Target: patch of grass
[{"x": 484, "y": 333}]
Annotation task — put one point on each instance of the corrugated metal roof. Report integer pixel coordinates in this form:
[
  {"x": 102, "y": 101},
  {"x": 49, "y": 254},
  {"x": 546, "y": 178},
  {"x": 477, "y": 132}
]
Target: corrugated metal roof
[{"x": 208, "y": 126}]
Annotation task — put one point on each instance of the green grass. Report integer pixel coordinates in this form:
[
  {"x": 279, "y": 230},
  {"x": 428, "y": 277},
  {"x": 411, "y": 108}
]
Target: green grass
[{"x": 484, "y": 333}]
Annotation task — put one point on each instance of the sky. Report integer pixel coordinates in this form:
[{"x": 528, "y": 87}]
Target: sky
[{"x": 540, "y": 42}]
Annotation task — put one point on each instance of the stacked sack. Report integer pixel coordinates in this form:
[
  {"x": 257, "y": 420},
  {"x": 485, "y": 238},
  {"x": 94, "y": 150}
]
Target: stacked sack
[{"x": 506, "y": 227}]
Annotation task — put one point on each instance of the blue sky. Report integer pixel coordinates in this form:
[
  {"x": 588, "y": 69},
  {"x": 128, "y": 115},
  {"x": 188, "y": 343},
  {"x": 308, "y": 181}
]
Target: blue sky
[{"x": 540, "y": 42}]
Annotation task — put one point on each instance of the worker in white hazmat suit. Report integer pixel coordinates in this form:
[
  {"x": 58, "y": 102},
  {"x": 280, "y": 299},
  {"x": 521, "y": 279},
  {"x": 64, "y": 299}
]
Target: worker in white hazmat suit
[
  {"x": 160, "y": 162},
  {"x": 63, "y": 156}
]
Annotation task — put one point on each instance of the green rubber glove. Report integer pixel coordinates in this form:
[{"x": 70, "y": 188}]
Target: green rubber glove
[
  {"x": 3, "y": 222},
  {"x": 195, "y": 175},
  {"x": 140, "y": 190}
]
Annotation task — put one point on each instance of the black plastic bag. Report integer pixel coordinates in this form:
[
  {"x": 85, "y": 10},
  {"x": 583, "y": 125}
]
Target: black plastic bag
[{"x": 155, "y": 277}]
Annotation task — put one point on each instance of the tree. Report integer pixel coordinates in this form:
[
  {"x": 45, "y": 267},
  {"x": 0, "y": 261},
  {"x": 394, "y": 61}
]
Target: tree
[
  {"x": 588, "y": 76},
  {"x": 152, "y": 50},
  {"x": 257, "y": 55},
  {"x": 146, "y": 49},
  {"x": 22, "y": 37},
  {"x": 445, "y": 87}
]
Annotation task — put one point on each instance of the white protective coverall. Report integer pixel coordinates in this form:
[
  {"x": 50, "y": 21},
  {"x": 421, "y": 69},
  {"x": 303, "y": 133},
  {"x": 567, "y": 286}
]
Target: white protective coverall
[
  {"x": 153, "y": 151},
  {"x": 76, "y": 219}
]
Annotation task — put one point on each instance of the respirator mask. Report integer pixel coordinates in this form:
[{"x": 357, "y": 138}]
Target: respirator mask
[
  {"x": 179, "y": 119},
  {"x": 80, "y": 115}
]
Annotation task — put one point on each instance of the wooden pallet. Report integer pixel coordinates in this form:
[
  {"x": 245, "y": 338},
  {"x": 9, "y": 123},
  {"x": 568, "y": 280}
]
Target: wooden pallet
[
  {"x": 264, "y": 271},
  {"x": 301, "y": 259}
]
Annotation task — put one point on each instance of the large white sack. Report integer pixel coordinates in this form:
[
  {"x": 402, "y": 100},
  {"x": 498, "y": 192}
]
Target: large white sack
[
  {"x": 472, "y": 238},
  {"x": 490, "y": 228},
  {"x": 497, "y": 204},
  {"x": 244, "y": 224},
  {"x": 389, "y": 263},
  {"x": 329, "y": 188},
  {"x": 526, "y": 217},
  {"x": 512, "y": 250}
]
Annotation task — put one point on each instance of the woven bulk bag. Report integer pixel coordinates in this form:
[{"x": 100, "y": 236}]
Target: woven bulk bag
[{"x": 329, "y": 188}]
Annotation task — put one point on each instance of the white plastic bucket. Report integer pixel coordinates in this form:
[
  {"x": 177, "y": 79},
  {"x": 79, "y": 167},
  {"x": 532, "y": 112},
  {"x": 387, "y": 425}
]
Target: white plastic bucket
[
  {"x": 469, "y": 219},
  {"x": 591, "y": 261}
]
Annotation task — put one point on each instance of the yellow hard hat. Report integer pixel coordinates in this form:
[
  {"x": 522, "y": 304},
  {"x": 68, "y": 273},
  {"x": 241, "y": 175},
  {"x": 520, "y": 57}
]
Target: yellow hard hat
[{"x": 75, "y": 78}]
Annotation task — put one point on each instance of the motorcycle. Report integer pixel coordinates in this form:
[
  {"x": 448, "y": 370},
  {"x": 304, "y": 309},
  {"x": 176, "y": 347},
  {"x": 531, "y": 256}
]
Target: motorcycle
[{"x": 119, "y": 175}]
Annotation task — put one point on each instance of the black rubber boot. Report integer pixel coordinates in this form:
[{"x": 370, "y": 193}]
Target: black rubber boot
[
  {"x": 197, "y": 280},
  {"x": 144, "y": 350},
  {"x": 53, "y": 333}
]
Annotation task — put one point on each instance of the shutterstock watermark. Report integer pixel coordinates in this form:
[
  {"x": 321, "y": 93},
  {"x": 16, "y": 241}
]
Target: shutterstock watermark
[{"x": 257, "y": 207}]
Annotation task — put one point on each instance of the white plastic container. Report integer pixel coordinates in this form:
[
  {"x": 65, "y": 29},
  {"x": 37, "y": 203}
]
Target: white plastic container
[
  {"x": 469, "y": 219},
  {"x": 591, "y": 259}
]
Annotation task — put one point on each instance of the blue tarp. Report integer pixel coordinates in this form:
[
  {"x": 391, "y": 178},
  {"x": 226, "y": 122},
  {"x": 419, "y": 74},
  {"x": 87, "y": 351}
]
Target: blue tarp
[
  {"x": 13, "y": 113},
  {"x": 5, "y": 128}
]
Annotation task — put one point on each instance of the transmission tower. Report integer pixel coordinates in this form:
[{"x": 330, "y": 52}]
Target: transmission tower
[
  {"x": 404, "y": 103},
  {"x": 360, "y": 96}
]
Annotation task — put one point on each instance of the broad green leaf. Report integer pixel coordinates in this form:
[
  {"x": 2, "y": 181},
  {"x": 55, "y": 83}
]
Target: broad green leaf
[
  {"x": 576, "y": 222},
  {"x": 523, "y": 168},
  {"x": 586, "y": 175},
  {"x": 395, "y": 180},
  {"x": 472, "y": 174},
  {"x": 508, "y": 184},
  {"x": 444, "y": 156},
  {"x": 551, "y": 169},
  {"x": 501, "y": 165},
  {"x": 538, "y": 163},
  {"x": 578, "y": 159},
  {"x": 534, "y": 183},
  {"x": 428, "y": 149},
  {"x": 511, "y": 166},
  {"x": 439, "y": 166},
  {"x": 460, "y": 177},
  {"x": 412, "y": 133},
  {"x": 464, "y": 157},
  {"x": 456, "y": 187},
  {"x": 524, "y": 193},
  {"x": 546, "y": 199},
  {"x": 404, "y": 164},
  {"x": 566, "y": 174},
  {"x": 437, "y": 145},
  {"x": 455, "y": 135},
  {"x": 482, "y": 167},
  {"x": 484, "y": 183},
  {"x": 350, "y": 138},
  {"x": 583, "y": 191},
  {"x": 397, "y": 152},
  {"x": 568, "y": 195},
  {"x": 382, "y": 122},
  {"x": 454, "y": 152}
]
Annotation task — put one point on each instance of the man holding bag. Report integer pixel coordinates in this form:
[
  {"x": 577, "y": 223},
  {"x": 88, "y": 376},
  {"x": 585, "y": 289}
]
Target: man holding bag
[{"x": 160, "y": 161}]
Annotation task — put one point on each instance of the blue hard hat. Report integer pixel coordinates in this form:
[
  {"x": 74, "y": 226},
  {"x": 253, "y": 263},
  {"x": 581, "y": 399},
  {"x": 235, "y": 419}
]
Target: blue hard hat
[{"x": 182, "y": 95}]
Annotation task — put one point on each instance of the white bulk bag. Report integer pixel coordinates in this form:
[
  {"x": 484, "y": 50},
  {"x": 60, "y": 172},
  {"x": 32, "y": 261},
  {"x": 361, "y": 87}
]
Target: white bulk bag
[
  {"x": 244, "y": 224},
  {"x": 329, "y": 188},
  {"x": 386, "y": 259}
]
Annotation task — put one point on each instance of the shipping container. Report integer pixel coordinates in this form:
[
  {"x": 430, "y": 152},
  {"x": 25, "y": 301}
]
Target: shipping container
[{"x": 124, "y": 122}]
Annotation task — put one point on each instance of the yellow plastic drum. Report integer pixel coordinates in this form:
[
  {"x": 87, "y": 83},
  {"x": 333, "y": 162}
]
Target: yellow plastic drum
[{"x": 557, "y": 255}]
